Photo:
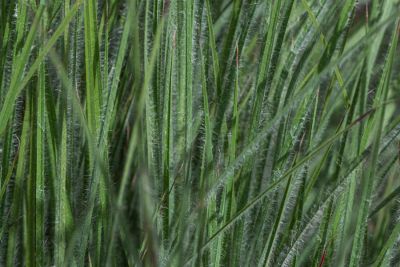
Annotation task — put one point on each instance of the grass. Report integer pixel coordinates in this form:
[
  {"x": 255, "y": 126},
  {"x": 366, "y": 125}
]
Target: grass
[{"x": 199, "y": 133}]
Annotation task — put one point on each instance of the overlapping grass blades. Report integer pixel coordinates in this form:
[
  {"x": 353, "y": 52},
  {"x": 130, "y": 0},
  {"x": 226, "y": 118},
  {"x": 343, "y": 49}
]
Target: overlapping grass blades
[{"x": 197, "y": 133}]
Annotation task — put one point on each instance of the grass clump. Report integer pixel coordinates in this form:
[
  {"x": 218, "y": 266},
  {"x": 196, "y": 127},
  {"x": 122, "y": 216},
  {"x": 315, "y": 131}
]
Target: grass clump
[{"x": 197, "y": 133}]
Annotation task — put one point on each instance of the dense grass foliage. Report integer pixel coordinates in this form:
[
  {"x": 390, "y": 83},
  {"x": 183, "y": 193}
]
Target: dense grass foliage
[{"x": 199, "y": 133}]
